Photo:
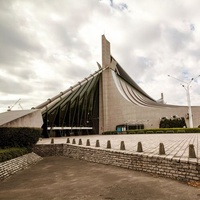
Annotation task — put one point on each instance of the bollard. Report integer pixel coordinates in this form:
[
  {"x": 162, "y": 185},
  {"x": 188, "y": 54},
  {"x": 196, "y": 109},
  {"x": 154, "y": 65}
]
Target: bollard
[
  {"x": 139, "y": 147},
  {"x": 80, "y": 142},
  {"x": 108, "y": 144},
  {"x": 192, "y": 153},
  {"x": 97, "y": 143},
  {"x": 73, "y": 141},
  {"x": 68, "y": 140},
  {"x": 122, "y": 146},
  {"x": 161, "y": 149},
  {"x": 88, "y": 142},
  {"x": 52, "y": 140}
]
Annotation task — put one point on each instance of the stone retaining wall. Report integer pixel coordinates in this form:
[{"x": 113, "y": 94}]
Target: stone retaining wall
[
  {"x": 175, "y": 169},
  {"x": 12, "y": 166}
]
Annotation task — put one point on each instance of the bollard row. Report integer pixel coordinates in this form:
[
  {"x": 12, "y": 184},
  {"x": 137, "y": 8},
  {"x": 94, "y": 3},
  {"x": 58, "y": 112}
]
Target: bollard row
[{"x": 161, "y": 151}]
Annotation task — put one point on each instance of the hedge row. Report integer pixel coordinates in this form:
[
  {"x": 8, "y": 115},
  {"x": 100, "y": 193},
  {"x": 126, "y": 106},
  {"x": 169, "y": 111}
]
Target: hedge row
[
  {"x": 151, "y": 131},
  {"x": 7, "y": 154},
  {"x": 19, "y": 137}
]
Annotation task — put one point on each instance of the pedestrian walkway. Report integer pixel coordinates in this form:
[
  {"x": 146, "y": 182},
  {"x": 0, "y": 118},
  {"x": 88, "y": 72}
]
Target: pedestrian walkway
[{"x": 176, "y": 145}]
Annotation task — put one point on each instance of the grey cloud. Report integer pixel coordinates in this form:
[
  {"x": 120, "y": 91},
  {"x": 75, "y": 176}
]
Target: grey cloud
[
  {"x": 196, "y": 88},
  {"x": 68, "y": 71},
  {"x": 22, "y": 70},
  {"x": 11, "y": 36},
  {"x": 147, "y": 34},
  {"x": 63, "y": 76},
  {"x": 119, "y": 6},
  {"x": 175, "y": 39},
  {"x": 113, "y": 4},
  {"x": 52, "y": 85},
  {"x": 76, "y": 73},
  {"x": 192, "y": 27},
  {"x": 24, "y": 73},
  {"x": 5, "y": 104},
  {"x": 52, "y": 35},
  {"x": 140, "y": 65},
  {"x": 16, "y": 40},
  {"x": 69, "y": 40},
  {"x": 195, "y": 53},
  {"x": 11, "y": 86}
]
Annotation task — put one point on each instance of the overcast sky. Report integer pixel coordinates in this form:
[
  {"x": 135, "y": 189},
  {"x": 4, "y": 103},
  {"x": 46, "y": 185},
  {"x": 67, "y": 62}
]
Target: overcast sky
[{"x": 46, "y": 46}]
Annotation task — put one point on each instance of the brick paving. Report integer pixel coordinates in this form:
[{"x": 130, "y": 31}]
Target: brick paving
[{"x": 176, "y": 145}]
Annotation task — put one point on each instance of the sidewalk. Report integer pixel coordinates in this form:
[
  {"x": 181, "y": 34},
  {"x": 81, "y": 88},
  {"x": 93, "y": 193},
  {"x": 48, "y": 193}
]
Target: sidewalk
[
  {"x": 58, "y": 178},
  {"x": 176, "y": 145}
]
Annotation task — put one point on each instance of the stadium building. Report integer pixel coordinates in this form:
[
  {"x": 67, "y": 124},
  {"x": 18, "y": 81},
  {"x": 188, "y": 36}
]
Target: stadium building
[{"x": 108, "y": 100}]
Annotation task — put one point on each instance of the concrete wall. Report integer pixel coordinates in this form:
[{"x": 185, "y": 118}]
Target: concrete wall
[
  {"x": 174, "y": 169},
  {"x": 32, "y": 119}
]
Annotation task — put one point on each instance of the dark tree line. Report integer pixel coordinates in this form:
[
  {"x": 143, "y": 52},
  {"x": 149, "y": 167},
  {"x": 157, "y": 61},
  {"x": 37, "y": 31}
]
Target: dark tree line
[{"x": 174, "y": 122}]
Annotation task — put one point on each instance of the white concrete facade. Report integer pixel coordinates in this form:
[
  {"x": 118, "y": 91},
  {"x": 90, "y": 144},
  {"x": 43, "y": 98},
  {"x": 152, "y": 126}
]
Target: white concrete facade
[
  {"x": 21, "y": 118},
  {"x": 116, "y": 108}
]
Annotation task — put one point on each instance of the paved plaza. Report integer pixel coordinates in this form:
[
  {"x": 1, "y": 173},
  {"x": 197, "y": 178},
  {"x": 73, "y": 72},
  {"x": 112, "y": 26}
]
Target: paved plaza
[
  {"x": 62, "y": 178},
  {"x": 176, "y": 145}
]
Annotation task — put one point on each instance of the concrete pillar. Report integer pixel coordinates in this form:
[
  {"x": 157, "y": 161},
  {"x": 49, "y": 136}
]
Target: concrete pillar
[
  {"x": 105, "y": 52},
  {"x": 73, "y": 141},
  {"x": 97, "y": 144},
  {"x": 161, "y": 149},
  {"x": 88, "y": 142},
  {"x": 122, "y": 146},
  {"x": 52, "y": 140},
  {"x": 108, "y": 144},
  {"x": 192, "y": 153},
  {"x": 68, "y": 140},
  {"x": 139, "y": 147},
  {"x": 103, "y": 86},
  {"x": 80, "y": 142}
]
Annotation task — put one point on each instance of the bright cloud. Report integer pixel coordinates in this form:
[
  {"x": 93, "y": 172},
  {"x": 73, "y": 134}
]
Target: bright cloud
[{"x": 47, "y": 46}]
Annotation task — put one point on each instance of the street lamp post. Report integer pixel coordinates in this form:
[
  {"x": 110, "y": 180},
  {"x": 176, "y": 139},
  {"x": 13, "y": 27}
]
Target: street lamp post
[
  {"x": 186, "y": 86},
  {"x": 187, "y": 89}
]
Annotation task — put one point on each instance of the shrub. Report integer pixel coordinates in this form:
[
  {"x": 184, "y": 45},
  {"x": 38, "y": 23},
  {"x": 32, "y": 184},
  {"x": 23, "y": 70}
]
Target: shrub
[
  {"x": 110, "y": 133},
  {"x": 165, "y": 130},
  {"x": 7, "y": 154},
  {"x": 19, "y": 137},
  {"x": 174, "y": 122},
  {"x": 156, "y": 130}
]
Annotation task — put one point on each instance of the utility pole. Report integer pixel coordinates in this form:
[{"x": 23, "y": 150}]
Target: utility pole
[{"x": 186, "y": 86}]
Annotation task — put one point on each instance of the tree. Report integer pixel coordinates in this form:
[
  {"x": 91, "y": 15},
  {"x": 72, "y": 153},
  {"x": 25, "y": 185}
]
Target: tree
[{"x": 173, "y": 122}]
